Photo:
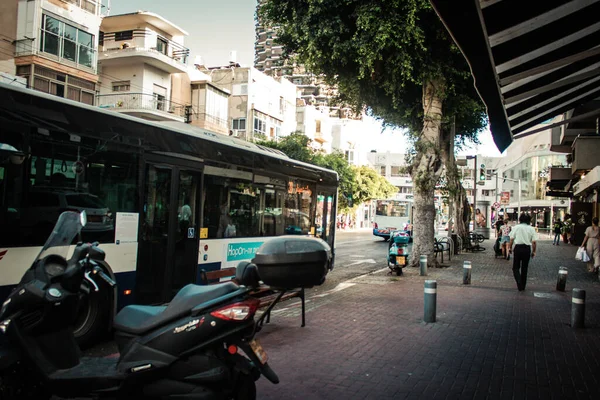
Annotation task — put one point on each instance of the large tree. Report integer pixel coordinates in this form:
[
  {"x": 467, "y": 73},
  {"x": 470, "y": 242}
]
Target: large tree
[{"x": 395, "y": 58}]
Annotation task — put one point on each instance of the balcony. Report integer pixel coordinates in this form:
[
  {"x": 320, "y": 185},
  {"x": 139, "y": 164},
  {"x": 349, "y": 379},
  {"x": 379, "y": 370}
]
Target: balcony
[
  {"x": 560, "y": 174},
  {"x": 167, "y": 55},
  {"x": 585, "y": 154},
  {"x": 147, "y": 106}
]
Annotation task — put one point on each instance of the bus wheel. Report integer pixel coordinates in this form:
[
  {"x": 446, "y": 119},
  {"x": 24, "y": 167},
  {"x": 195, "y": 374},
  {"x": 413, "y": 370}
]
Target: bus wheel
[{"x": 92, "y": 318}]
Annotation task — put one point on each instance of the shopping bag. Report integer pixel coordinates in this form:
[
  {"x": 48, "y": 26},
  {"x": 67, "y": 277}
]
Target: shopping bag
[
  {"x": 585, "y": 257},
  {"x": 579, "y": 254}
]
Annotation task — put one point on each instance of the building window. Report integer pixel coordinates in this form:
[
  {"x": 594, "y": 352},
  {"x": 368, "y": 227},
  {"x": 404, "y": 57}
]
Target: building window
[
  {"x": 240, "y": 90},
  {"x": 162, "y": 45},
  {"x": 67, "y": 42},
  {"x": 63, "y": 85},
  {"x": 123, "y": 35},
  {"x": 260, "y": 125},
  {"x": 318, "y": 126},
  {"x": 122, "y": 86},
  {"x": 382, "y": 170},
  {"x": 281, "y": 105},
  {"x": 101, "y": 38},
  {"x": 395, "y": 170},
  {"x": 239, "y": 124},
  {"x": 216, "y": 106}
]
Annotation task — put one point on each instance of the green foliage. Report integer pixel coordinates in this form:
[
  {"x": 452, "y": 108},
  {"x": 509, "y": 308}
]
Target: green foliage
[
  {"x": 379, "y": 53},
  {"x": 370, "y": 185},
  {"x": 296, "y": 146}
]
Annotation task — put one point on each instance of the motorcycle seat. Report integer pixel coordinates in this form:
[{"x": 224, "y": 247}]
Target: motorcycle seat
[{"x": 138, "y": 320}]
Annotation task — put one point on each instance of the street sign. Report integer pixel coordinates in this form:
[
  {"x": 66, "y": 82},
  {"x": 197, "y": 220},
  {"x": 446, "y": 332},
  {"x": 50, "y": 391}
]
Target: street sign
[{"x": 505, "y": 198}]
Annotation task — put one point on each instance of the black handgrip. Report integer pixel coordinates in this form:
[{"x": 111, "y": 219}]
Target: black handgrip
[
  {"x": 105, "y": 277},
  {"x": 84, "y": 288}
]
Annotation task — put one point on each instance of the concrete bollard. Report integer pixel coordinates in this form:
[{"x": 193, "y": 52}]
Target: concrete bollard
[
  {"x": 467, "y": 273},
  {"x": 423, "y": 265},
  {"x": 430, "y": 301},
  {"x": 561, "y": 283},
  {"x": 578, "y": 309}
]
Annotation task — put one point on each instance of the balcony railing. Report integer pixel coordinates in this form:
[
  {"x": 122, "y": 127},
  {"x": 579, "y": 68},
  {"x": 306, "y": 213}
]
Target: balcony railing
[
  {"x": 137, "y": 40},
  {"x": 139, "y": 101}
]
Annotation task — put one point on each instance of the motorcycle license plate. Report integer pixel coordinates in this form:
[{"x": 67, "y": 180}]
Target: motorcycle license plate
[
  {"x": 400, "y": 260},
  {"x": 259, "y": 351}
]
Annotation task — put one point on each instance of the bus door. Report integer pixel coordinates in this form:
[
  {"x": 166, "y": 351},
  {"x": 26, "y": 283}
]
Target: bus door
[
  {"x": 168, "y": 242},
  {"x": 325, "y": 215}
]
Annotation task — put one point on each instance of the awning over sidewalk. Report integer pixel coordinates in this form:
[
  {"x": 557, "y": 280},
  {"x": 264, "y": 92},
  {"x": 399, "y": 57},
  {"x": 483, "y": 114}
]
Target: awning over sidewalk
[{"x": 531, "y": 61}]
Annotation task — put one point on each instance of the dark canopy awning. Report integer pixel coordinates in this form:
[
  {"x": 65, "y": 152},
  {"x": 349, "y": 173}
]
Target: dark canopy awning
[{"x": 531, "y": 61}]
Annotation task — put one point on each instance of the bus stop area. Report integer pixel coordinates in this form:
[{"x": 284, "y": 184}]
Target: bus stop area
[{"x": 366, "y": 339}]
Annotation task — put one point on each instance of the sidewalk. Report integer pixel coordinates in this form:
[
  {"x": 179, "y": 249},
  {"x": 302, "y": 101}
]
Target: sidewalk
[{"x": 489, "y": 342}]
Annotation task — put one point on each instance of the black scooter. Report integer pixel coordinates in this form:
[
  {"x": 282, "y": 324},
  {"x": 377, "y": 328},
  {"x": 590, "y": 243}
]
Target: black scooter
[{"x": 200, "y": 346}]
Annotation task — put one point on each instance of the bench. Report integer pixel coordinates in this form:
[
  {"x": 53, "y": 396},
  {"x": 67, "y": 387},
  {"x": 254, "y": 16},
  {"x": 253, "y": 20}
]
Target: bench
[
  {"x": 442, "y": 245},
  {"x": 264, "y": 293}
]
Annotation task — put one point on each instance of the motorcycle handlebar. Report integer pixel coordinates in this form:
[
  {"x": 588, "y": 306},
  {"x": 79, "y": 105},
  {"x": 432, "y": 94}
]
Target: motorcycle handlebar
[{"x": 104, "y": 276}]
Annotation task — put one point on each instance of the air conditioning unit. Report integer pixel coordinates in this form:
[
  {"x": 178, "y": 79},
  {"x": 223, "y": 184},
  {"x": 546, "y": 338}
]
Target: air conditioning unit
[{"x": 239, "y": 133}]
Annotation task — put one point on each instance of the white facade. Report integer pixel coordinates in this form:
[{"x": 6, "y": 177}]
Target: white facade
[
  {"x": 390, "y": 165},
  {"x": 259, "y": 106},
  {"x": 138, "y": 55},
  {"x": 316, "y": 124}
]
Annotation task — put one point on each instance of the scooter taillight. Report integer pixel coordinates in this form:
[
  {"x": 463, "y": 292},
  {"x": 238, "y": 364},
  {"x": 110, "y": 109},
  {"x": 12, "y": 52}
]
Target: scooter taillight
[
  {"x": 401, "y": 251},
  {"x": 237, "y": 311}
]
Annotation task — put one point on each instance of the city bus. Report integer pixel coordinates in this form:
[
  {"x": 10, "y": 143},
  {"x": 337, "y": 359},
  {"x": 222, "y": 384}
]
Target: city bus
[
  {"x": 165, "y": 201},
  {"x": 391, "y": 215}
]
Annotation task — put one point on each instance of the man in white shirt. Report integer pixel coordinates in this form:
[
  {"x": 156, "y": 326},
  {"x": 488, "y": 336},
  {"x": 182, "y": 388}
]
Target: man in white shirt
[{"x": 524, "y": 237}]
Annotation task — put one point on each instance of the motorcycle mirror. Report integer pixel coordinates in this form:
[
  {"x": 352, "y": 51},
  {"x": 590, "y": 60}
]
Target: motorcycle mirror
[{"x": 83, "y": 218}]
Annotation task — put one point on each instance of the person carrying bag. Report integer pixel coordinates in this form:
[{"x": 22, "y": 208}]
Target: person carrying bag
[{"x": 591, "y": 246}]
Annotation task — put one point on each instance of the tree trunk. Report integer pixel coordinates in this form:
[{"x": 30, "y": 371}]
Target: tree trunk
[
  {"x": 456, "y": 193},
  {"x": 425, "y": 171}
]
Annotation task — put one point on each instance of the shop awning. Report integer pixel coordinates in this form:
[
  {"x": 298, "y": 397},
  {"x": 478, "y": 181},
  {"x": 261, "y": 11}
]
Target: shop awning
[{"x": 531, "y": 61}]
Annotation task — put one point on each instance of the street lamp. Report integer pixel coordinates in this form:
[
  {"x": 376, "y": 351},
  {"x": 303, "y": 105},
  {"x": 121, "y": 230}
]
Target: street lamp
[{"x": 519, "y": 198}]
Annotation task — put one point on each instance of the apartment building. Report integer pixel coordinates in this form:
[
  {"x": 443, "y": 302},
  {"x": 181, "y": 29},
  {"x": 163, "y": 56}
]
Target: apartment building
[
  {"x": 138, "y": 55},
  {"x": 52, "y": 44},
  {"x": 259, "y": 106}
]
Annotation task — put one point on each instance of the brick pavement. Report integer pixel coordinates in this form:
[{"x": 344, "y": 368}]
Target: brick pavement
[{"x": 368, "y": 341}]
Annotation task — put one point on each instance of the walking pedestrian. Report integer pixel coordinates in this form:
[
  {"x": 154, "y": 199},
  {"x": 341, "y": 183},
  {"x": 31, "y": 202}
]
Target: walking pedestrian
[
  {"x": 558, "y": 225},
  {"x": 505, "y": 239},
  {"x": 524, "y": 237},
  {"x": 591, "y": 239}
]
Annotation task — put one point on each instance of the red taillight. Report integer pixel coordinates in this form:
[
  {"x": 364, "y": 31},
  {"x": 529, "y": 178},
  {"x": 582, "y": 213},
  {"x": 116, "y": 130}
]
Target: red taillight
[
  {"x": 375, "y": 225},
  {"x": 237, "y": 311},
  {"x": 401, "y": 251}
]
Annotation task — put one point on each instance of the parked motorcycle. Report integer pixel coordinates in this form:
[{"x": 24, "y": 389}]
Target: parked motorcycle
[
  {"x": 200, "y": 346},
  {"x": 398, "y": 253}
]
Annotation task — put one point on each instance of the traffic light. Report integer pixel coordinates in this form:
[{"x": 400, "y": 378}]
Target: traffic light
[{"x": 482, "y": 174}]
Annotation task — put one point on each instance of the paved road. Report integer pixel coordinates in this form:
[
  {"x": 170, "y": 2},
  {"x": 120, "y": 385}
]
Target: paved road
[{"x": 369, "y": 341}]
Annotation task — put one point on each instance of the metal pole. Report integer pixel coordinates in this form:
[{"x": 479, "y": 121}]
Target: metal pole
[
  {"x": 423, "y": 265},
  {"x": 467, "y": 273},
  {"x": 429, "y": 304},
  {"x": 519, "y": 209},
  {"x": 578, "y": 308},
  {"x": 561, "y": 283},
  {"x": 475, "y": 193},
  {"x": 496, "y": 191}
]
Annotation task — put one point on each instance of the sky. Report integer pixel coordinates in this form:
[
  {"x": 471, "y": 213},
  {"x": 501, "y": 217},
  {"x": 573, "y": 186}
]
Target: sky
[{"x": 217, "y": 27}]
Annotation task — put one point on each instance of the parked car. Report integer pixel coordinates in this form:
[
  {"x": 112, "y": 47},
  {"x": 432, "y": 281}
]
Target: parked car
[{"x": 45, "y": 204}]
